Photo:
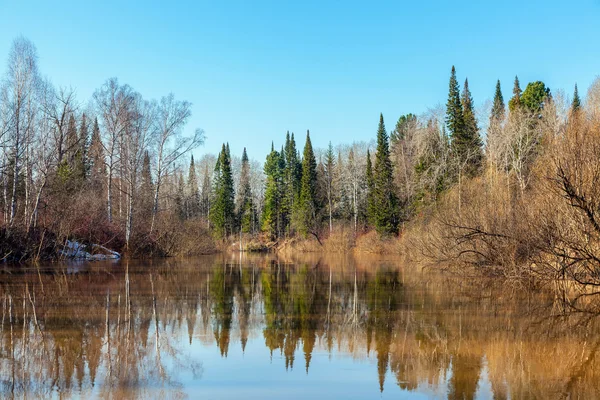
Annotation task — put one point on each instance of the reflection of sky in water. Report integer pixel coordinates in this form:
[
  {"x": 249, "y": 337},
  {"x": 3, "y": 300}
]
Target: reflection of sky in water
[{"x": 416, "y": 340}]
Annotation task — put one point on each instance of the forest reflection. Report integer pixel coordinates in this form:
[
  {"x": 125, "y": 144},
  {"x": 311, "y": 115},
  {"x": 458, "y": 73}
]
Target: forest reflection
[{"x": 126, "y": 329}]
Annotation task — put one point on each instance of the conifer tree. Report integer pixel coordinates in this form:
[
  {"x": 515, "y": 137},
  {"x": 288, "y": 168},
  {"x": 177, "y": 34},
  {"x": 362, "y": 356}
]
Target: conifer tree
[
  {"x": 206, "y": 194},
  {"x": 385, "y": 213},
  {"x": 370, "y": 190},
  {"x": 271, "y": 216},
  {"x": 292, "y": 174},
  {"x": 576, "y": 103},
  {"x": 222, "y": 213},
  {"x": 180, "y": 197},
  {"x": 245, "y": 207},
  {"x": 307, "y": 205},
  {"x": 515, "y": 102},
  {"x": 454, "y": 113},
  {"x": 97, "y": 165},
  {"x": 329, "y": 170},
  {"x": 498, "y": 107},
  {"x": 82, "y": 167},
  {"x": 193, "y": 191},
  {"x": 472, "y": 140}
]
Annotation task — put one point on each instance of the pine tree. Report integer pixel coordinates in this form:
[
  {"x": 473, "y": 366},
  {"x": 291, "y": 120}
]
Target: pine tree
[
  {"x": 385, "y": 203},
  {"x": 576, "y": 103},
  {"x": 498, "y": 107},
  {"x": 245, "y": 207},
  {"x": 515, "y": 102},
  {"x": 193, "y": 192},
  {"x": 274, "y": 172},
  {"x": 472, "y": 141},
  {"x": 222, "y": 213},
  {"x": 307, "y": 205}
]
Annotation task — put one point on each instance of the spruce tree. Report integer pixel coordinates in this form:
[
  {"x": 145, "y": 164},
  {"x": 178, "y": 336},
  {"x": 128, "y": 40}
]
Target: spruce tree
[
  {"x": 206, "y": 193},
  {"x": 576, "y": 103},
  {"x": 271, "y": 216},
  {"x": 454, "y": 113},
  {"x": 307, "y": 205},
  {"x": 97, "y": 165},
  {"x": 498, "y": 107},
  {"x": 371, "y": 207},
  {"x": 84, "y": 142},
  {"x": 515, "y": 102},
  {"x": 245, "y": 206},
  {"x": 292, "y": 174},
  {"x": 193, "y": 191},
  {"x": 329, "y": 170},
  {"x": 180, "y": 197},
  {"x": 385, "y": 211},
  {"x": 222, "y": 213},
  {"x": 472, "y": 141}
]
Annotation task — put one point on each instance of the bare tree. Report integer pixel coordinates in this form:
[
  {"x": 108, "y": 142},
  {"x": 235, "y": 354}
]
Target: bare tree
[
  {"x": 172, "y": 115},
  {"x": 19, "y": 97},
  {"x": 139, "y": 130},
  {"x": 113, "y": 103}
]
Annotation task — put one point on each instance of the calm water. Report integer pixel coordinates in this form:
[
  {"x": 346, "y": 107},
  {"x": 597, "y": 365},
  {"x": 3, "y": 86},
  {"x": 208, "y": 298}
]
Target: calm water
[{"x": 257, "y": 327}]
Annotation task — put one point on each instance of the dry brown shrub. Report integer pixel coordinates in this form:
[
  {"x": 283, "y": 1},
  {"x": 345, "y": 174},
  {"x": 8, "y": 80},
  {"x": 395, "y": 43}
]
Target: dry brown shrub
[
  {"x": 341, "y": 240},
  {"x": 372, "y": 243}
]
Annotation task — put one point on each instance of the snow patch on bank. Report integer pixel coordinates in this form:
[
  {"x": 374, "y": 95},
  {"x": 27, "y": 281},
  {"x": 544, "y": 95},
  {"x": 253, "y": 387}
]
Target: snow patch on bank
[{"x": 93, "y": 252}]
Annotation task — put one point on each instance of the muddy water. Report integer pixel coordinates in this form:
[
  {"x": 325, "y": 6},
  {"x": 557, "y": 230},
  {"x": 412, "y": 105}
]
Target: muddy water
[{"x": 257, "y": 327}]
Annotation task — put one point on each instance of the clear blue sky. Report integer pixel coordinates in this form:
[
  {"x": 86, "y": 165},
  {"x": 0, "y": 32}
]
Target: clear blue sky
[{"x": 255, "y": 69}]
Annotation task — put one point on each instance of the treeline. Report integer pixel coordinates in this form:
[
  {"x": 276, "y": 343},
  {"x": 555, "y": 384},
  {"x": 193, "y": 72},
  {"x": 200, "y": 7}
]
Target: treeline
[
  {"x": 116, "y": 172},
  {"x": 101, "y": 173}
]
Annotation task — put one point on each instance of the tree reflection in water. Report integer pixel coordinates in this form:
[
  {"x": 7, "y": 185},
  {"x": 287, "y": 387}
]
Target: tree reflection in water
[{"x": 128, "y": 329}]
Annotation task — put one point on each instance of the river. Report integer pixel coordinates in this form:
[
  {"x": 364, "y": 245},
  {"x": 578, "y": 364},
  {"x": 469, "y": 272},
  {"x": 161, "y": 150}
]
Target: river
[{"x": 239, "y": 326}]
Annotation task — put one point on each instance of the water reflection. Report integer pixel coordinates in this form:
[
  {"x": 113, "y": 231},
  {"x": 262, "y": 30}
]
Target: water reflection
[{"x": 212, "y": 326}]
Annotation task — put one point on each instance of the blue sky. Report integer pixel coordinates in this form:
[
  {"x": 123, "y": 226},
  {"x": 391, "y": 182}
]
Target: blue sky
[{"x": 255, "y": 69}]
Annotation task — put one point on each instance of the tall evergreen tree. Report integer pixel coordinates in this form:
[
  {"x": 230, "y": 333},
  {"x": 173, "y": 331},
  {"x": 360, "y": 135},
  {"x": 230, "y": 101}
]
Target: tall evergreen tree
[
  {"x": 576, "y": 103},
  {"x": 193, "y": 192},
  {"x": 206, "y": 194},
  {"x": 535, "y": 96},
  {"x": 180, "y": 197},
  {"x": 307, "y": 210},
  {"x": 385, "y": 211},
  {"x": 82, "y": 169},
  {"x": 245, "y": 207},
  {"x": 515, "y": 101},
  {"x": 498, "y": 107},
  {"x": 454, "y": 112},
  {"x": 292, "y": 174},
  {"x": 222, "y": 213},
  {"x": 329, "y": 170},
  {"x": 472, "y": 140},
  {"x": 370, "y": 190},
  {"x": 97, "y": 165},
  {"x": 271, "y": 215}
]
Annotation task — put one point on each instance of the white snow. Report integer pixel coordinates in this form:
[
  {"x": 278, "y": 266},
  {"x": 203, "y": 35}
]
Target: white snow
[{"x": 74, "y": 249}]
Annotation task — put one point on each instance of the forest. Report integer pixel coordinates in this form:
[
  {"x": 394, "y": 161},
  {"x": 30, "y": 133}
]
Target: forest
[{"x": 508, "y": 189}]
